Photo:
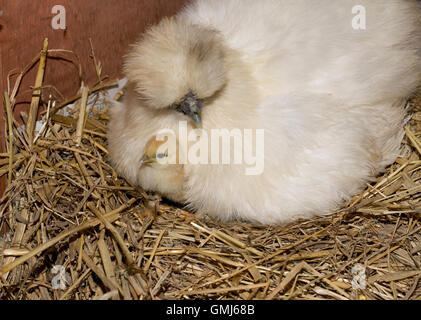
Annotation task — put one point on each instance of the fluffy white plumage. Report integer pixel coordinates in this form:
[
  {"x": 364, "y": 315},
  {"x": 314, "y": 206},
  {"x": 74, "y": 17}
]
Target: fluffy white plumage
[{"x": 330, "y": 98}]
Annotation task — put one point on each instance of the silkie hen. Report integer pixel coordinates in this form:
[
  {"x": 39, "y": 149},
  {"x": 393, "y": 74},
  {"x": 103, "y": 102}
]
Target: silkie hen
[{"x": 329, "y": 94}]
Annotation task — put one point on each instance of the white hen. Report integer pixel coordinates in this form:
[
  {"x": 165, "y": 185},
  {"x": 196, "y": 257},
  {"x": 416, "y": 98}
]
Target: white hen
[{"x": 329, "y": 97}]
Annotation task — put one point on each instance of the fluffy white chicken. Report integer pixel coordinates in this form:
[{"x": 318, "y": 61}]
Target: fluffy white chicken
[{"x": 330, "y": 97}]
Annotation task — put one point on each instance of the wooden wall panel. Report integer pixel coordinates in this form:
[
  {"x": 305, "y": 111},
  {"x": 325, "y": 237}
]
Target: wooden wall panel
[{"x": 112, "y": 25}]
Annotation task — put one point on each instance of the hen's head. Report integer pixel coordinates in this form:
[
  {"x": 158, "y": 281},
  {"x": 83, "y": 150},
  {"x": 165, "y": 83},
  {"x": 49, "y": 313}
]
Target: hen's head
[{"x": 176, "y": 65}]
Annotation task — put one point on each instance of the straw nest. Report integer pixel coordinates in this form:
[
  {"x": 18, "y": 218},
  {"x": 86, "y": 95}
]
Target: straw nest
[{"x": 70, "y": 228}]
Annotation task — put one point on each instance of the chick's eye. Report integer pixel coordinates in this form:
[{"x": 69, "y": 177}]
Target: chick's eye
[{"x": 161, "y": 155}]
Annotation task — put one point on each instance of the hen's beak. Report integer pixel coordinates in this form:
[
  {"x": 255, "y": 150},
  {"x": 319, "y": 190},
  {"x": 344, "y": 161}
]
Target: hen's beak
[
  {"x": 192, "y": 106},
  {"x": 147, "y": 160}
]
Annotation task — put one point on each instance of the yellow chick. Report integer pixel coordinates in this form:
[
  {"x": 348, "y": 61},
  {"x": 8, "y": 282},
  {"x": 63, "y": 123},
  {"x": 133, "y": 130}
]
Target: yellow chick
[{"x": 159, "y": 169}]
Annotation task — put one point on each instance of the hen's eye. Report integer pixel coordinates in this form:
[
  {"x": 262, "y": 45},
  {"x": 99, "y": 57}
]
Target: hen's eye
[
  {"x": 161, "y": 155},
  {"x": 191, "y": 106}
]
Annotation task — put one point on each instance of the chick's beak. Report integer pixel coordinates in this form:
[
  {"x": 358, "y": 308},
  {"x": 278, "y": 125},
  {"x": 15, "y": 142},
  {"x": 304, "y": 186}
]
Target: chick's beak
[
  {"x": 147, "y": 160},
  {"x": 192, "y": 106}
]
